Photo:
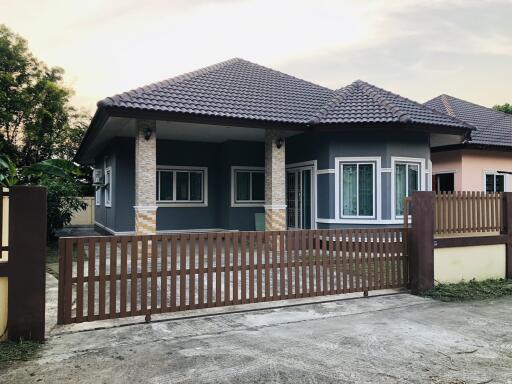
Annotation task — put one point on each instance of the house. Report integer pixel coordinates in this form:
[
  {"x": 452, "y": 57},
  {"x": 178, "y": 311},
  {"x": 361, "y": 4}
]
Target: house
[
  {"x": 221, "y": 146},
  {"x": 479, "y": 163}
]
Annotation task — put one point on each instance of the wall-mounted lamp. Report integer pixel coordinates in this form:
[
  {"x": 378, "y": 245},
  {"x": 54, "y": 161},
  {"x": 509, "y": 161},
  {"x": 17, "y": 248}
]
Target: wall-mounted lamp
[
  {"x": 147, "y": 133},
  {"x": 279, "y": 142}
]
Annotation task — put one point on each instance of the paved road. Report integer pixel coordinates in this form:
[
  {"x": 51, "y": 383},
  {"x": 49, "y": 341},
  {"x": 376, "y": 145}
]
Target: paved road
[{"x": 389, "y": 339}]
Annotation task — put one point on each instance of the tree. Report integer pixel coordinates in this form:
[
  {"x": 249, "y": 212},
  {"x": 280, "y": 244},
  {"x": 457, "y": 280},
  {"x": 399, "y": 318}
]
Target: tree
[
  {"x": 40, "y": 130},
  {"x": 507, "y": 108},
  {"x": 36, "y": 115}
]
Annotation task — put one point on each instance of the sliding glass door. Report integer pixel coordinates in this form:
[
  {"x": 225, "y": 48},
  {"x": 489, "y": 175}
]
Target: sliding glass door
[{"x": 299, "y": 197}]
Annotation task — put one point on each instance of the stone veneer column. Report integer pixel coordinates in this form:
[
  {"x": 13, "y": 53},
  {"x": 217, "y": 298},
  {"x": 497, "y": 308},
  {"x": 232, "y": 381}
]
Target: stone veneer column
[
  {"x": 275, "y": 182},
  {"x": 145, "y": 178}
]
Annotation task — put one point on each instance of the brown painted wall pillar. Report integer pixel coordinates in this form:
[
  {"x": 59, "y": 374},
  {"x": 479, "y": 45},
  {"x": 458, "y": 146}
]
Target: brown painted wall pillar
[
  {"x": 27, "y": 261},
  {"x": 507, "y": 217},
  {"x": 422, "y": 242}
]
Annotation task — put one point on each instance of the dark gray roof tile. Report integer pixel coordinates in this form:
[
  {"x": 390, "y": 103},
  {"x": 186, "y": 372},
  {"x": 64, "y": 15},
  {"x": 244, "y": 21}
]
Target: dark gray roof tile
[
  {"x": 237, "y": 88},
  {"x": 492, "y": 127}
]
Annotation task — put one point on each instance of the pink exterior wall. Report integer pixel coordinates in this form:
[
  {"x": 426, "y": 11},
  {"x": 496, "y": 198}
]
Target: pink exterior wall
[
  {"x": 450, "y": 161},
  {"x": 476, "y": 163},
  {"x": 470, "y": 167}
]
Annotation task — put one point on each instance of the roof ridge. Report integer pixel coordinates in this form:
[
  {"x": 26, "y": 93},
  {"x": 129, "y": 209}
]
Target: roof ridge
[
  {"x": 373, "y": 92},
  {"x": 503, "y": 114},
  {"x": 446, "y": 104},
  {"x": 172, "y": 80},
  {"x": 337, "y": 97}
]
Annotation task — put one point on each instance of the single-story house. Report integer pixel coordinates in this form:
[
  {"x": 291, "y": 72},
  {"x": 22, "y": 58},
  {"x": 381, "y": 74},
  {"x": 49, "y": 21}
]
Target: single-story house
[
  {"x": 483, "y": 161},
  {"x": 224, "y": 146}
]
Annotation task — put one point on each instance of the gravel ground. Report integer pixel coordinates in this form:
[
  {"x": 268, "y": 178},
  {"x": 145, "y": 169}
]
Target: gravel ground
[{"x": 387, "y": 339}]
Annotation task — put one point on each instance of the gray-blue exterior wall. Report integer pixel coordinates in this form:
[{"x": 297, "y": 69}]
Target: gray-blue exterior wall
[{"x": 323, "y": 147}]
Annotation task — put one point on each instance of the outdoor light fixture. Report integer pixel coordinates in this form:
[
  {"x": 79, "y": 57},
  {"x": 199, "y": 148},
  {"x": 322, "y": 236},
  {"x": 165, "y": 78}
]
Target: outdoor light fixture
[
  {"x": 279, "y": 142},
  {"x": 147, "y": 133}
]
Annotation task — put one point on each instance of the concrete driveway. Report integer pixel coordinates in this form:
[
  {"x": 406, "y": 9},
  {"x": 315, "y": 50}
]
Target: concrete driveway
[{"x": 387, "y": 339}]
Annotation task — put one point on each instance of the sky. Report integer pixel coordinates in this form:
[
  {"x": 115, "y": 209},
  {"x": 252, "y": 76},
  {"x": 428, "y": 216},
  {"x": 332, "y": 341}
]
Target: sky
[{"x": 419, "y": 49}]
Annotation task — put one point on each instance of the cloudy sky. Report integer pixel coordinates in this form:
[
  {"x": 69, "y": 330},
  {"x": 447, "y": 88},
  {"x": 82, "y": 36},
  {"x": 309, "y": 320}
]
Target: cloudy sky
[{"x": 419, "y": 49}]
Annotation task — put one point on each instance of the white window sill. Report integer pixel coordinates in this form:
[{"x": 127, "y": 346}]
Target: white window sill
[{"x": 181, "y": 205}]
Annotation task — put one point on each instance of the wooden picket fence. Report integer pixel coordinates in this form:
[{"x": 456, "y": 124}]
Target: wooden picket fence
[
  {"x": 119, "y": 276},
  {"x": 463, "y": 212}
]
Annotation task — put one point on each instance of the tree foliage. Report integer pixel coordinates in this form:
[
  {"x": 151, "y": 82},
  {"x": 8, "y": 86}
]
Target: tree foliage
[
  {"x": 507, "y": 108},
  {"x": 39, "y": 130}
]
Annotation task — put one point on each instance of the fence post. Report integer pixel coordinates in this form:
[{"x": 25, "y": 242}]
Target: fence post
[
  {"x": 422, "y": 242},
  {"x": 27, "y": 260},
  {"x": 507, "y": 218}
]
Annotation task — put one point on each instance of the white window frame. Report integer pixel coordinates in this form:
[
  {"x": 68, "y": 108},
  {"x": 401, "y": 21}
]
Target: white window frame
[
  {"x": 108, "y": 186},
  {"x": 245, "y": 203},
  {"x": 495, "y": 173},
  {"x": 97, "y": 189},
  {"x": 422, "y": 178},
  {"x": 182, "y": 203},
  {"x": 338, "y": 184}
]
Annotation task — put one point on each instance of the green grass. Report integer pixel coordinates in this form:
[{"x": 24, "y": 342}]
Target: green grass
[
  {"x": 471, "y": 290},
  {"x": 11, "y": 351}
]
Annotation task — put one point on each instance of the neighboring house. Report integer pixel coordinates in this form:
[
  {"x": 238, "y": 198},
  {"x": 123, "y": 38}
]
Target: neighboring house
[
  {"x": 213, "y": 148},
  {"x": 481, "y": 162}
]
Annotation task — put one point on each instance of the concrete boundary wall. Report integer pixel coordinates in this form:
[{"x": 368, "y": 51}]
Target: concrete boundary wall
[
  {"x": 459, "y": 255},
  {"x": 480, "y": 262}
]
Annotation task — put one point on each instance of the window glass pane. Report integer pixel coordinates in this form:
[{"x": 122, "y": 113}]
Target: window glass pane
[
  {"x": 400, "y": 188},
  {"x": 413, "y": 175},
  {"x": 365, "y": 190},
  {"x": 349, "y": 177},
  {"x": 489, "y": 183},
  {"x": 243, "y": 180},
  {"x": 166, "y": 182},
  {"x": 182, "y": 185},
  {"x": 196, "y": 186},
  {"x": 258, "y": 186},
  {"x": 500, "y": 183}
]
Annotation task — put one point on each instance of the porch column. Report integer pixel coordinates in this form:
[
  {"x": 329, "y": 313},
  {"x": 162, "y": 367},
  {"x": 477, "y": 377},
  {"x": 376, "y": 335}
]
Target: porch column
[
  {"x": 275, "y": 181},
  {"x": 145, "y": 177}
]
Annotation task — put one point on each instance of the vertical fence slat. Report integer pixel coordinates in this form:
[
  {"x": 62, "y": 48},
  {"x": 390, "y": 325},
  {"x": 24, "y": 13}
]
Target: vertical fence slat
[
  {"x": 201, "y": 277},
  {"x": 133, "y": 275},
  {"x": 192, "y": 269},
  {"x": 243, "y": 263},
  {"x": 183, "y": 239},
  {"x": 318, "y": 260},
  {"x": 282, "y": 278},
  {"x": 144, "y": 276},
  {"x": 236, "y": 261},
  {"x": 259, "y": 266},
  {"x": 289, "y": 274},
  {"x": 154, "y": 273},
  {"x": 218, "y": 270},
  {"x": 113, "y": 278},
  {"x": 275, "y": 258},
  {"x": 164, "y": 271},
  {"x": 266, "y": 247},
  {"x": 103, "y": 273},
  {"x": 227, "y": 267},
  {"x": 68, "y": 271},
  {"x": 296, "y": 257},
  {"x": 91, "y": 249},
  {"x": 124, "y": 277},
  {"x": 310, "y": 256},
  {"x": 79, "y": 280},
  {"x": 324, "y": 261},
  {"x": 251, "y": 267},
  {"x": 209, "y": 290},
  {"x": 303, "y": 263}
]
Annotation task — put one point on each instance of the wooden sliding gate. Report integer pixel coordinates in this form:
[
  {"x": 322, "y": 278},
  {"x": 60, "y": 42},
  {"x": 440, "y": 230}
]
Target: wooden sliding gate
[{"x": 120, "y": 276}]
